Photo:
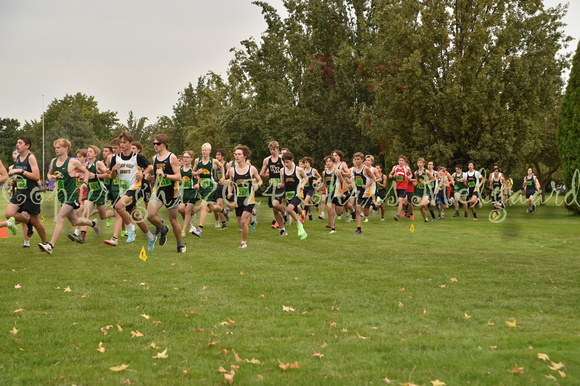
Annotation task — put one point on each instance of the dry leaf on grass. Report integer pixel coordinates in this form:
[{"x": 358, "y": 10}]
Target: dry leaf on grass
[
  {"x": 224, "y": 351},
  {"x": 145, "y": 316},
  {"x": 214, "y": 343},
  {"x": 317, "y": 354},
  {"x": 517, "y": 370},
  {"x": 543, "y": 357},
  {"x": 254, "y": 361},
  {"x": 18, "y": 310},
  {"x": 14, "y": 331},
  {"x": 490, "y": 323},
  {"x": 510, "y": 324},
  {"x": 556, "y": 366},
  {"x": 17, "y": 286},
  {"x": 161, "y": 355},
  {"x": 105, "y": 329},
  {"x": 119, "y": 368},
  {"x": 438, "y": 383},
  {"x": 236, "y": 357},
  {"x": 360, "y": 336},
  {"x": 295, "y": 365},
  {"x": 550, "y": 376},
  {"x": 465, "y": 316},
  {"x": 136, "y": 334},
  {"x": 228, "y": 323},
  {"x": 283, "y": 366},
  {"x": 67, "y": 289},
  {"x": 287, "y": 309},
  {"x": 101, "y": 349}
]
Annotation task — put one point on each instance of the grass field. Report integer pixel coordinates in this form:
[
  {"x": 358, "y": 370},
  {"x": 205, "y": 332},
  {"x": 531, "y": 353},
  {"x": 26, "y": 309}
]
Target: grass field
[{"x": 388, "y": 306}]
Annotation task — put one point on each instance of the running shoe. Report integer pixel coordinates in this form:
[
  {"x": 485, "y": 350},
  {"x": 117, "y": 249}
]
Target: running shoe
[
  {"x": 366, "y": 220},
  {"x": 275, "y": 225},
  {"x": 26, "y": 246},
  {"x": 181, "y": 249},
  {"x": 253, "y": 227},
  {"x": 303, "y": 218},
  {"x": 30, "y": 229},
  {"x": 109, "y": 221},
  {"x": 332, "y": 231},
  {"x": 124, "y": 233},
  {"x": 224, "y": 226},
  {"x": 433, "y": 219},
  {"x": 227, "y": 214},
  {"x": 321, "y": 217},
  {"x": 81, "y": 239},
  {"x": 396, "y": 217},
  {"x": 73, "y": 237},
  {"x": 300, "y": 229},
  {"x": 13, "y": 226},
  {"x": 196, "y": 232},
  {"x": 382, "y": 219},
  {"x": 456, "y": 214},
  {"x": 97, "y": 228},
  {"x": 328, "y": 226},
  {"x": 310, "y": 218},
  {"x": 379, "y": 201},
  {"x": 288, "y": 221},
  {"x": 243, "y": 245},
  {"x": 131, "y": 237},
  {"x": 217, "y": 225},
  {"x": 163, "y": 237},
  {"x": 283, "y": 232},
  {"x": 347, "y": 218},
  {"x": 157, "y": 230},
  {"x": 357, "y": 232},
  {"x": 45, "y": 247},
  {"x": 411, "y": 217},
  {"x": 151, "y": 244},
  {"x": 303, "y": 236},
  {"x": 182, "y": 233},
  {"x": 466, "y": 215},
  {"x": 112, "y": 242}
]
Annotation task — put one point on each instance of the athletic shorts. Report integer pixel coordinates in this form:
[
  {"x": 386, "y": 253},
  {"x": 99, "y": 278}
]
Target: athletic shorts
[
  {"x": 337, "y": 201},
  {"x": 131, "y": 194},
  {"x": 246, "y": 208},
  {"x": 471, "y": 194},
  {"x": 401, "y": 193},
  {"x": 296, "y": 201},
  {"x": 167, "y": 197},
  {"x": 410, "y": 196},
  {"x": 219, "y": 192},
  {"x": 309, "y": 191},
  {"x": 382, "y": 194},
  {"x": 274, "y": 194},
  {"x": 27, "y": 201},
  {"x": 144, "y": 192},
  {"x": 99, "y": 197}
]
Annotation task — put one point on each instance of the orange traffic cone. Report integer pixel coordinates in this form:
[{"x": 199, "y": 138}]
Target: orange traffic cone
[{"x": 3, "y": 233}]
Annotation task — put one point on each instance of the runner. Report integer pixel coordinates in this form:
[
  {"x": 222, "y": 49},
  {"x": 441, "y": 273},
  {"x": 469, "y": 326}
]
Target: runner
[
  {"x": 474, "y": 181},
  {"x": 368, "y": 162},
  {"x": 381, "y": 190},
  {"x": 220, "y": 155},
  {"x": 431, "y": 188},
  {"x": 531, "y": 186},
  {"x": 271, "y": 167},
  {"x": 342, "y": 193},
  {"x": 412, "y": 180},
  {"x": 68, "y": 195},
  {"x": 496, "y": 184},
  {"x": 310, "y": 186},
  {"x": 127, "y": 167},
  {"x": 167, "y": 178},
  {"x": 190, "y": 197},
  {"x": 96, "y": 196},
  {"x": 509, "y": 183},
  {"x": 442, "y": 200},
  {"x": 244, "y": 178},
  {"x": 333, "y": 179},
  {"x": 460, "y": 190},
  {"x": 145, "y": 191},
  {"x": 205, "y": 168},
  {"x": 24, "y": 206},
  {"x": 293, "y": 179},
  {"x": 424, "y": 179},
  {"x": 401, "y": 174},
  {"x": 81, "y": 156},
  {"x": 363, "y": 179}
]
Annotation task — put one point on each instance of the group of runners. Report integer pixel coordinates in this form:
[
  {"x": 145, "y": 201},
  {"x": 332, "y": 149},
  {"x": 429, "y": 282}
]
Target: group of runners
[{"x": 185, "y": 185}]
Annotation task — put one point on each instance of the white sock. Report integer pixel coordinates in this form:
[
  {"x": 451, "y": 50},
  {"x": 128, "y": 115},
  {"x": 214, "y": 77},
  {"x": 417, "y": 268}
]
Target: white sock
[
  {"x": 77, "y": 231},
  {"x": 131, "y": 228},
  {"x": 27, "y": 242}
]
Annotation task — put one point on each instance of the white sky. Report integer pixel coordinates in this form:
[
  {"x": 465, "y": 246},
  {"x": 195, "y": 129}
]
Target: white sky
[{"x": 129, "y": 54}]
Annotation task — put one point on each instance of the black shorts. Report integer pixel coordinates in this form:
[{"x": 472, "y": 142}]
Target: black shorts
[
  {"x": 382, "y": 194},
  {"x": 309, "y": 192},
  {"x": 219, "y": 192},
  {"x": 167, "y": 197},
  {"x": 27, "y": 201},
  {"x": 365, "y": 202},
  {"x": 401, "y": 193},
  {"x": 274, "y": 194},
  {"x": 246, "y": 208},
  {"x": 296, "y": 201},
  {"x": 131, "y": 194},
  {"x": 337, "y": 201},
  {"x": 410, "y": 196},
  {"x": 472, "y": 194},
  {"x": 144, "y": 192}
]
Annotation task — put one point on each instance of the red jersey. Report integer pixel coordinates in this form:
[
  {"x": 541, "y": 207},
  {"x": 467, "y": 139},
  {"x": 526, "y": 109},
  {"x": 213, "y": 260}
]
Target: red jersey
[
  {"x": 401, "y": 178},
  {"x": 410, "y": 186}
]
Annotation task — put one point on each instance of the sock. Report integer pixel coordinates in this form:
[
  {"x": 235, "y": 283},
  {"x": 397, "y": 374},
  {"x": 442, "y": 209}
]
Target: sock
[
  {"x": 180, "y": 243},
  {"x": 114, "y": 238},
  {"x": 131, "y": 228},
  {"x": 94, "y": 224},
  {"x": 27, "y": 242},
  {"x": 77, "y": 230},
  {"x": 474, "y": 215},
  {"x": 432, "y": 213},
  {"x": 200, "y": 227},
  {"x": 333, "y": 229},
  {"x": 358, "y": 229},
  {"x": 149, "y": 236},
  {"x": 223, "y": 223},
  {"x": 84, "y": 234}
]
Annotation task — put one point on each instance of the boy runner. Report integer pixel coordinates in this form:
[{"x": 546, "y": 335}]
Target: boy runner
[
  {"x": 333, "y": 179},
  {"x": 145, "y": 191},
  {"x": 309, "y": 188},
  {"x": 424, "y": 179},
  {"x": 400, "y": 173},
  {"x": 474, "y": 181},
  {"x": 460, "y": 190},
  {"x": 68, "y": 195},
  {"x": 496, "y": 184},
  {"x": 531, "y": 186},
  {"x": 220, "y": 155},
  {"x": 271, "y": 167},
  {"x": 243, "y": 177},
  {"x": 190, "y": 197},
  {"x": 381, "y": 190},
  {"x": 363, "y": 179},
  {"x": 167, "y": 177},
  {"x": 127, "y": 166},
  {"x": 292, "y": 181}
]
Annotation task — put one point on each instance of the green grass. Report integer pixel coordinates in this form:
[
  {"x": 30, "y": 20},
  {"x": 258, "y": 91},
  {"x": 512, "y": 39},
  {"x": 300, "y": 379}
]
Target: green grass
[{"x": 524, "y": 268}]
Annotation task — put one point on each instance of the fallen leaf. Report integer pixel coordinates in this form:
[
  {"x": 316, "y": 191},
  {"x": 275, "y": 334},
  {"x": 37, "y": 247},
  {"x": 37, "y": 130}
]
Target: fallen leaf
[
  {"x": 441, "y": 286},
  {"x": 262, "y": 296},
  {"x": 387, "y": 380},
  {"x": 241, "y": 272},
  {"x": 254, "y": 361},
  {"x": 186, "y": 372},
  {"x": 203, "y": 288},
  {"x": 17, "y": 286},
  {"x": 136, "y": 334},
  {"x": 453, "y": 280},
  {"x": 222, "y": 370},
  {"x": 334, "y": 308},
  {"x": 234, "y": 367},
  {"x": 229, "y": 323},
  {"x": 214, "y": 343},
  {"x": 530, "y": 347},
  {"x": 438, "y": 383},
  {"x": 562, "y": 374},
  {"x": 295, "y": 365},
  {"x": 145, "y": 316},
  {"x": 517, "y": 370},
  {"x": 493, "y": 348},
  {"x": 161, "y": 355},
  {"x": 84, "y": 295},
  {"x": 401, "y": 289},
  {"x": 14, "y": 331},
  {"x": 287, "y": 309},
  {"x": 400, "y": 304},
  {"x": 407, "y": 384},
  {"x": 317, "y": 354},
  {"x": 490, "y": 323},
  {"x": 344, "y": 329},
  {"x": 465, "y": 316},
  {"x": 333, "y": 324},
  {"x": 67, "y": 289},
  {"x": 105, "y": 329},
  {"x": 360, "y": 336},
  {"x": 101, "y": 349},
  {"x": 550, "y": 377},
  {"x": 543, "y": 357},
  {"x": 236, "y": 356},
  {"x": 510, "y": 324},
  {"x": 127, "y": 382},
  {"x": 324, "y": 345},
  {"x": 154, "y": 345},
  {"x": 119, "y": 328},
  {"x": 224, "y": 351},
  {"x": 556, "y": 366},
  {"x": 230, "y": 377},
  {"x": 424, "y": 313},
  {"x": 18, "y": 310},
  {"x": 119, "y": 368},
  {"x": 260, "y": 377},
  {"x": 283, "y": 366}
]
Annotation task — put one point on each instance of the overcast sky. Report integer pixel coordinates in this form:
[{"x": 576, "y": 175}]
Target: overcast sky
[{"x": 129, "y": 54}]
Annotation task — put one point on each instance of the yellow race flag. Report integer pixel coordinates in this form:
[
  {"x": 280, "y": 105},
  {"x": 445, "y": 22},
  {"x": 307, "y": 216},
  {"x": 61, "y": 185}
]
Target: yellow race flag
[
  {"x": 412, "y": 228},
  {"x": 143, "y": 255}
]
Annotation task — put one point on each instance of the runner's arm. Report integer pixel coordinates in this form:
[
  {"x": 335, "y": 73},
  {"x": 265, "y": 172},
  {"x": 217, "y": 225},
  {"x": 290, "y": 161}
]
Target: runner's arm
[
  {"x": 3, "y": 173},
  {"x": 264, "y": 170},
  {"x": 255, "y": 175}
]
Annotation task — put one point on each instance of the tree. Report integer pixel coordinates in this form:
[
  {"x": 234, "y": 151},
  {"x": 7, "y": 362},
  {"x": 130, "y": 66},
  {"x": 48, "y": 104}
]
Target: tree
[
  {"x": 9, "y": 134},
  {"x": 569, "y": 134},
  {"x": 461, "y": 79}
]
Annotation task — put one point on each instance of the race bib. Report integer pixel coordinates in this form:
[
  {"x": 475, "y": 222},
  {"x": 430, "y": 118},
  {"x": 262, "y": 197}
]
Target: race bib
[
  {"x": 243, "y": 191},
  {"x": 107, "y": 181},
  {"x": 274, "y": 181},
  {"x": 94, "y": 185},
  {"x": 399, "y": 178},
  {"x": 472, "y": 184},
  {"x": 529, "y": 183},
  {"x": 124, "y": 184},
  {"x": 359, "y": 181},
  {"x": 60, "y": 184},
  {"x": 290, "y": 195},
  {"x": 164, "y": 182},
  {"x": 205, "y": 183}
]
